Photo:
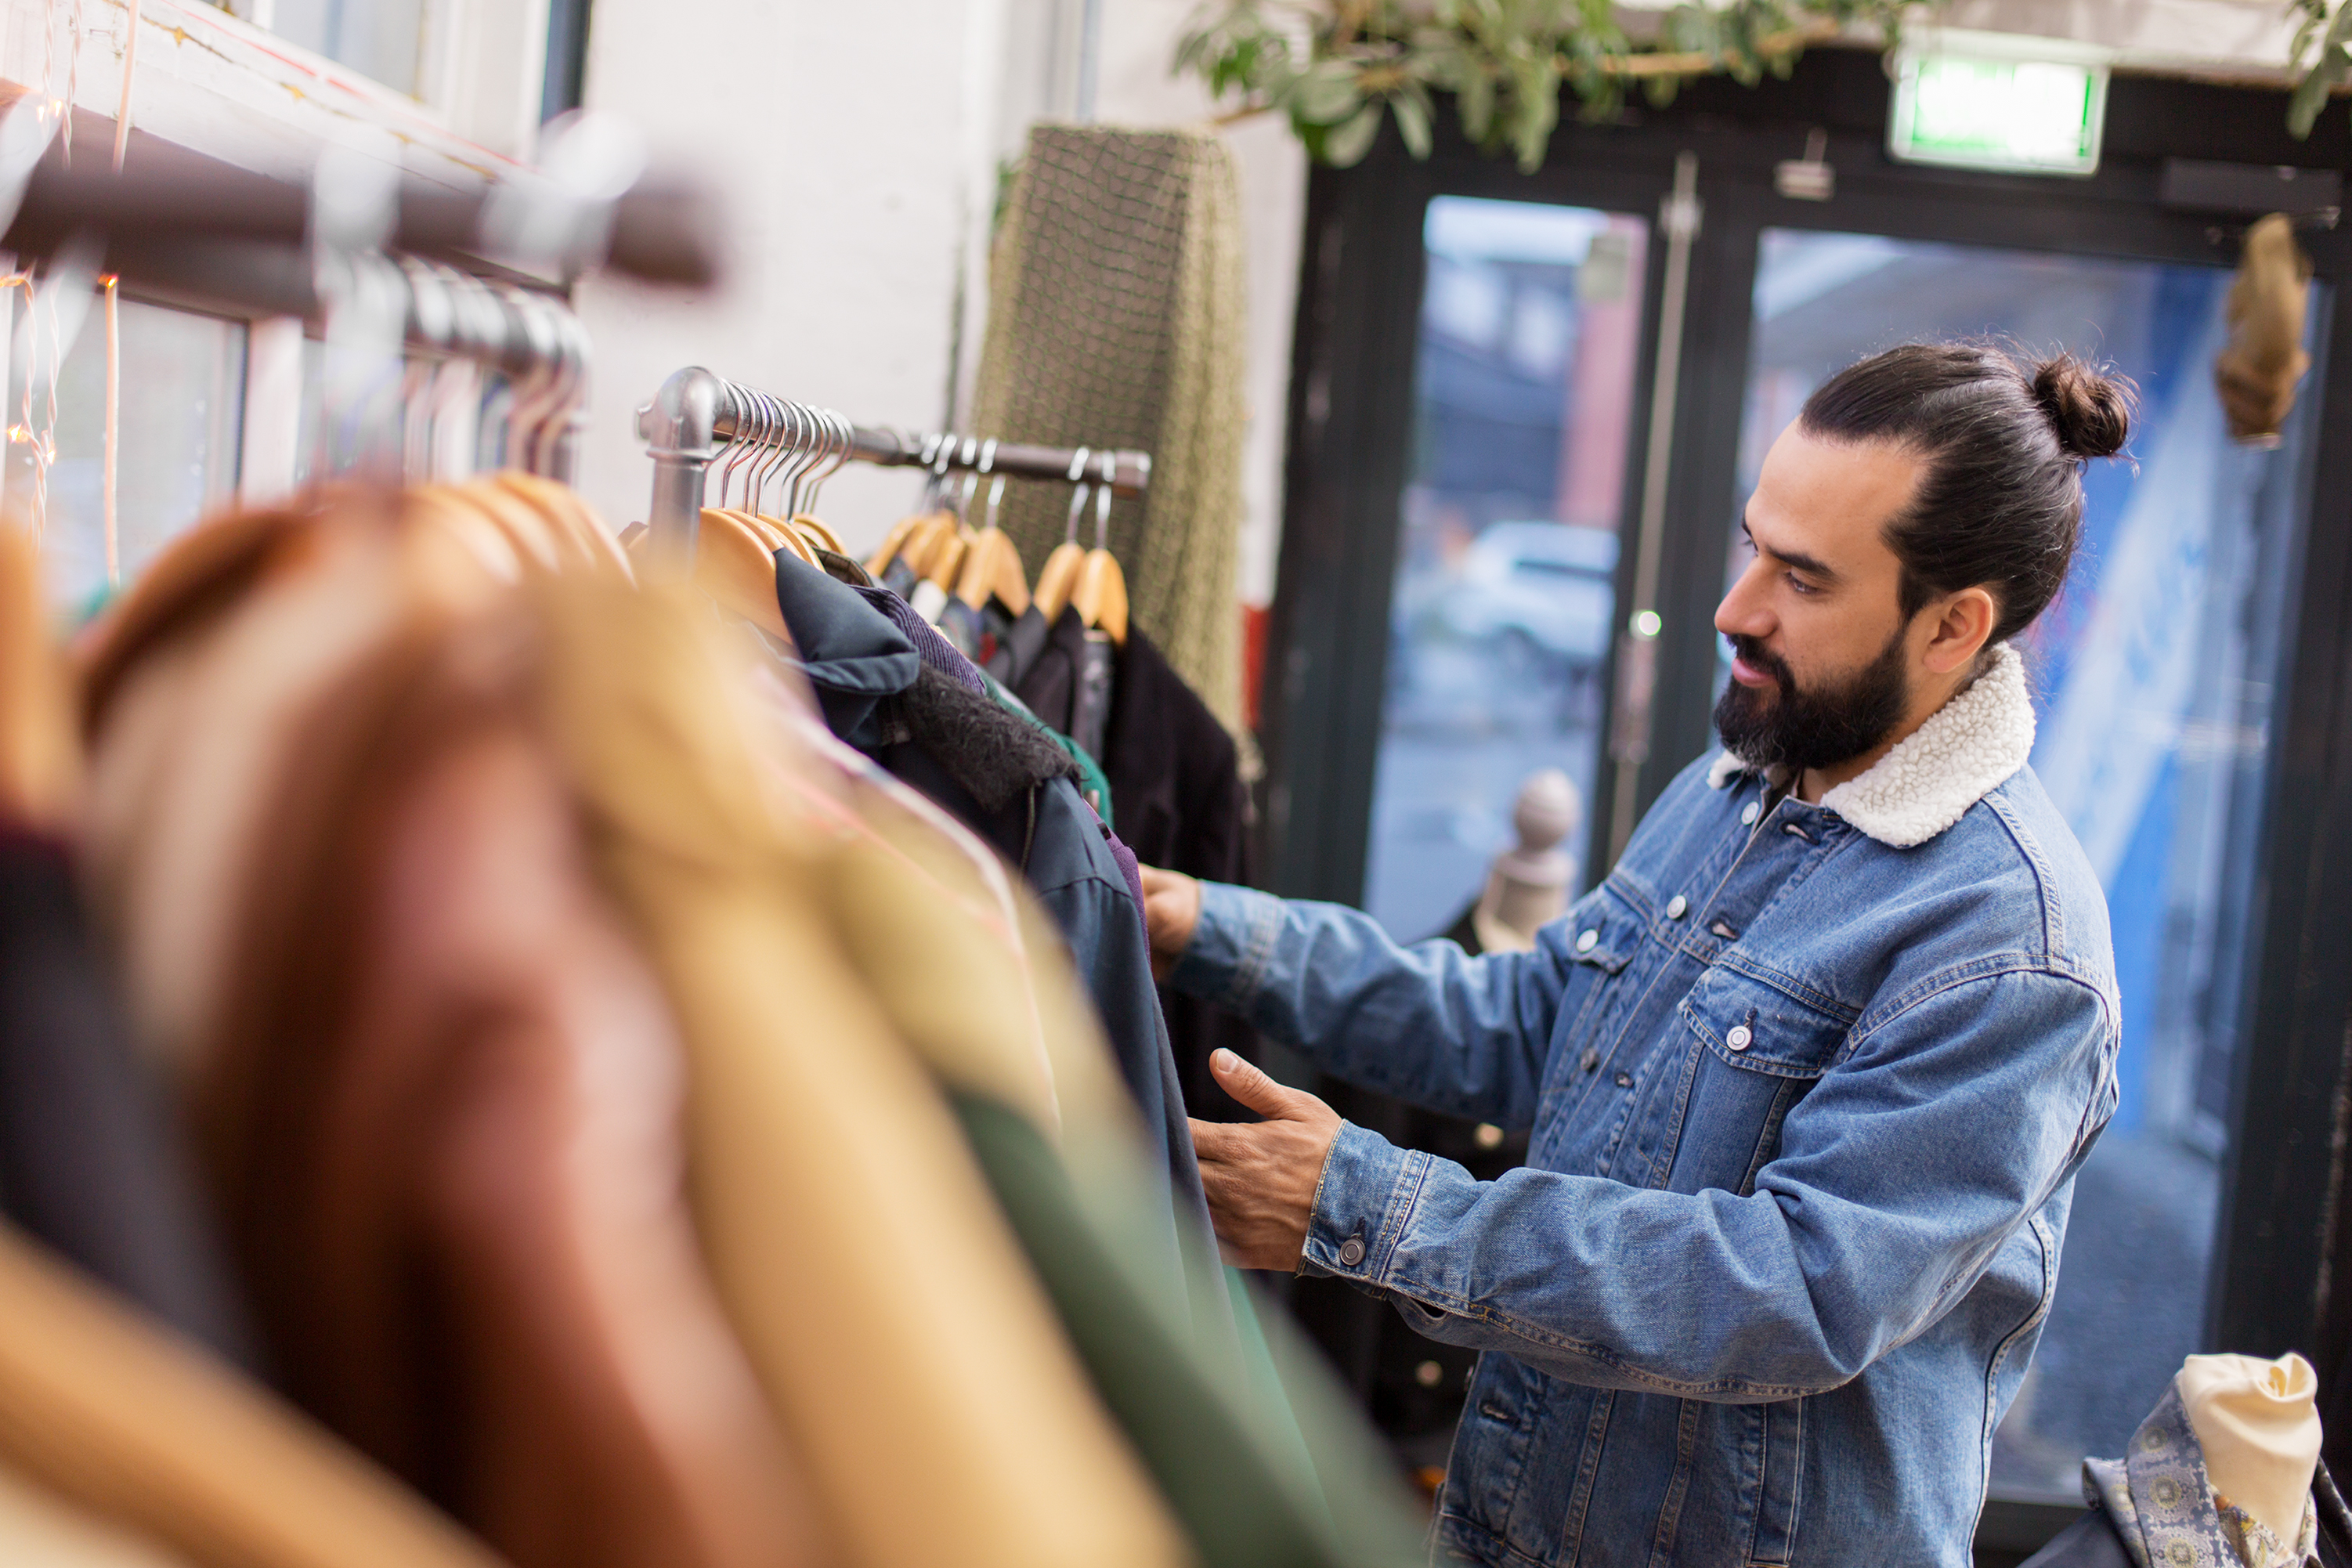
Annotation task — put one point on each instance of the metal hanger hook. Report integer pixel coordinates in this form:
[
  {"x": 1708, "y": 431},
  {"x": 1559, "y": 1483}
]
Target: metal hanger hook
[
  {"x": 1079, "y": 495},
  {"x": 1102, "y": 500}
]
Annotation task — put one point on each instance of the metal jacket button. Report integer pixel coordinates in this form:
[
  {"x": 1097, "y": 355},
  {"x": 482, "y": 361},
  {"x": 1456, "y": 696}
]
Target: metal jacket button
[
  {"x": 1352, "y": 1251},
  {"x": 1586, "y": 942},
  {"x": 1749, "y": 812},
  {"x": 1624, "y": 1080},
  {"x": 1677, "y": 906},
  {"x": 1741, "y": 1037}
]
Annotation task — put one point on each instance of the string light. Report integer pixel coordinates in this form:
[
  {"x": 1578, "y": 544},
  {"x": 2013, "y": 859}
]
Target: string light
[
  {"x": 113, "y": 408},
  {"x": 130, "y": 65}
]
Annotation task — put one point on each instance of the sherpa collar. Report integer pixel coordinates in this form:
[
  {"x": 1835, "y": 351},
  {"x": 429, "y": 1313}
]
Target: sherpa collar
[{"x": 1964, "y": 752}]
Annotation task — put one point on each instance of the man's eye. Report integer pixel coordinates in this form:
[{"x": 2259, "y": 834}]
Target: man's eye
[{"x": 1800, "y": 585}]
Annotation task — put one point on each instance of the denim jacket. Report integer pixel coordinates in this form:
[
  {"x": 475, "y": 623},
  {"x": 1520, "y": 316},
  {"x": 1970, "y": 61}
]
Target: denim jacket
[{"x": 1808, "y": 1086}]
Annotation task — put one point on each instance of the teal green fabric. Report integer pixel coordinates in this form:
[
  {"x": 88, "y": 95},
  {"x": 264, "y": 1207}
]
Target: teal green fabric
[
  {"x": 1093, "y": 782},
  {"x": 1226, "y": 1448}
]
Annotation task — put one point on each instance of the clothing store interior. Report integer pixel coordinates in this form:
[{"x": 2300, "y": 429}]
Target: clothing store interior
[{"x": 1109, "y": 622}]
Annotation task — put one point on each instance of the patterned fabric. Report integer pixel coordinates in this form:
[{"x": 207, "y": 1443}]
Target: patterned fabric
[
  {"x": 2162, "y": 1505},
  {"x": 1116, "y": 317},
  {"x": 2258, "y": 1547}
]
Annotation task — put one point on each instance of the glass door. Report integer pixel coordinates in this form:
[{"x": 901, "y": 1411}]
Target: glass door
[
  {"x": 1504, "y": 602},
  {"x": 2153, "y": 677}
]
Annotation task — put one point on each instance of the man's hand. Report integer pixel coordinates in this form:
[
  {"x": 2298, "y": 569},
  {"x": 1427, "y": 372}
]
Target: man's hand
[
  {"x": 1261, "y": 1176},
  {"x": 1171, "y": 909}
]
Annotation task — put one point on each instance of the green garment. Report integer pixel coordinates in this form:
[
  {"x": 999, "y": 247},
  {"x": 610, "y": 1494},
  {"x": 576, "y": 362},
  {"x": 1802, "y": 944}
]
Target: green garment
[
  {"x": 1093, "y": 782},
  {"x": 1227, "y": 1449}
]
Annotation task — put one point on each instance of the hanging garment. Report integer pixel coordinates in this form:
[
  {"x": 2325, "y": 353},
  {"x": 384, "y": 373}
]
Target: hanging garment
[
  {"x": 38, "y": 1530},
  {"x": 88, "y": 1161},
  {"x": 2156, "y": 1507},
  {"x": 1022, "y": 641},
  {"x": 1178, "y": 777},
  {"x": 975, "y": 1003},
  {"x": 884, "y": 1302},
  {"x": 1068, "y": 683},
  {"x": 998, "y": 775},
  {"x": 1094, "y": 784},
  {"x": 143, "y": 1432},
  {"x": 440, "y": 1096},
  {"x": 311, "y": 601},
  {"x": 1118, "y": 318}
]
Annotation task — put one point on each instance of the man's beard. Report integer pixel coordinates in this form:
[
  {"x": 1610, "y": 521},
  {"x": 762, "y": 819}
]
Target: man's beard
[{"x": 1816, "y": 728}]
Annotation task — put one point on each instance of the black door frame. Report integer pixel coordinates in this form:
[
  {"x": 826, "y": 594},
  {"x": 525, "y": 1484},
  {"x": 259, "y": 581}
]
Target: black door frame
[{"x": 1350, "y": 436}]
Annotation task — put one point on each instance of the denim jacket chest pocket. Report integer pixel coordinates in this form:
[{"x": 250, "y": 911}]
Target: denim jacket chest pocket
[
  {"x": 1760, "y": 1049},
  {"x": 1604, "y": 936}
]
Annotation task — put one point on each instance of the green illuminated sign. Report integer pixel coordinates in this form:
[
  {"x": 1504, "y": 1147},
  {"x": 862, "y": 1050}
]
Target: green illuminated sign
[{"x": 1990, "y": 100}]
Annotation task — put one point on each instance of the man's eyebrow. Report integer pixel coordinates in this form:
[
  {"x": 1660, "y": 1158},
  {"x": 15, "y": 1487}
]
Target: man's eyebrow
[{"x": 1796, "y": 558}]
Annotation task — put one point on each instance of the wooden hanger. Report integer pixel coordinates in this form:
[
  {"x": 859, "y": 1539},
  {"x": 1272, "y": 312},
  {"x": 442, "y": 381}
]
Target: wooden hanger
[
  {"x": 561, "y": 500},
  {"x": 1100, "y": 594},
  {"x": 946, "y": 559},
  {"x": 435, "y": 507},
  {"x": 1060, "y": 572},
  {"x": 735, "y": 566},
  {"x": 817, "y": 534},
  {"x": 992, "y": 566},
  {"x": 533, "y": 540}
]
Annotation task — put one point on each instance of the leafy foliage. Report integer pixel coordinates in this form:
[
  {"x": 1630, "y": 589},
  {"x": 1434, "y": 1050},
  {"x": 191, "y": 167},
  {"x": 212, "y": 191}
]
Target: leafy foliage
[
  {"x": 2325, "y": 73},
  {"x": 1337, "y": 66}
]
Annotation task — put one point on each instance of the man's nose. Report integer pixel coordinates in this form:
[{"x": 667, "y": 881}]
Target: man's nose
[{"x": 1744, "y": 611}]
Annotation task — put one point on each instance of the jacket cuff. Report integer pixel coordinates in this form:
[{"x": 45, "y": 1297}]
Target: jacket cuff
[
  {"x": 1363, "y": 1205},
  {"x": 1232, "y": 946}
]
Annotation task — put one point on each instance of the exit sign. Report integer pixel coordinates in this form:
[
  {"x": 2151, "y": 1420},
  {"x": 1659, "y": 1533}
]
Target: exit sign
[{"x": 1998, "y": 100}]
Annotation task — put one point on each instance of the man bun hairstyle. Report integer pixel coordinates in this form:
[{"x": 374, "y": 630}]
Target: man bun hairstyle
[
  {"x": 2005, "y": 442},
  {"x": 2089, "y": 411}
]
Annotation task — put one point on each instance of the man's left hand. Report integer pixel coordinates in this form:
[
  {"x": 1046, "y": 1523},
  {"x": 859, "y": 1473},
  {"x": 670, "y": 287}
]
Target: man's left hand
[{"x": 1261, "y": 1176}]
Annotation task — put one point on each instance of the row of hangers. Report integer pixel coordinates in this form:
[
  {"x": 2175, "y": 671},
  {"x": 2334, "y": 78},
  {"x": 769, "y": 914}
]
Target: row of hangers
[
  {"x": 781, "y": 445},
  {"x": 949, "y": 559}
]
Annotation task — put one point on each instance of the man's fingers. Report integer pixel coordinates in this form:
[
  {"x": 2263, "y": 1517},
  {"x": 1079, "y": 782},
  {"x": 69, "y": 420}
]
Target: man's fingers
[
  {"x": 1248, "y": 1084},
  {"x": 1214, "y": 1139}
]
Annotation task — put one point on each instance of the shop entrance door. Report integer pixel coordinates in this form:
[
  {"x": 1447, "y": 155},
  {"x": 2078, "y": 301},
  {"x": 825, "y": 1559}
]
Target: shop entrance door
[{"x": 1504, "y": 603}]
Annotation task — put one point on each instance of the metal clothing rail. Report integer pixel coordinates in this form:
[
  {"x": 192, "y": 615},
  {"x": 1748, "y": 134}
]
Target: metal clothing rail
[{"x": 697, "y": 415}]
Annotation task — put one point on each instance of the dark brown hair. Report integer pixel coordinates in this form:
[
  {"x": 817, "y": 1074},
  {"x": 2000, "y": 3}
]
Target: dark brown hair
[{"x": 2005, "y": 441}]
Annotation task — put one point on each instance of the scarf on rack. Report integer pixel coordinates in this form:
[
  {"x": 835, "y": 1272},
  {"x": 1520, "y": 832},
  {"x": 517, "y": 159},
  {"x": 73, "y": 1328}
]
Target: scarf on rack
[
  {"x": 1116, "y": 317},
  {"x": 2161, "y": 1503}
]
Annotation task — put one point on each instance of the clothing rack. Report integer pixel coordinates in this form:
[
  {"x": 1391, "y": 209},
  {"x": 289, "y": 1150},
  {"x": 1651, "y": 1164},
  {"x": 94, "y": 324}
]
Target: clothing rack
[
  {"x": 528, "y": 226},
  {"x": 453, "y": 276},
  {"x": 697, "y": 416}
]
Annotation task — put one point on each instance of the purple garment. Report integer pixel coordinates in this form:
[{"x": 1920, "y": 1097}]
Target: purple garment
[
  {"x": 1129, "y": 869},
  {"x": 930, "y": 646}
]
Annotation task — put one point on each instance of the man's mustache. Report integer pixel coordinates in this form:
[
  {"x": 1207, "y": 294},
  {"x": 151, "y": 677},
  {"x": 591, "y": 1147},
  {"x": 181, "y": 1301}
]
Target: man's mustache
[{"x": 1755, "y": 656}]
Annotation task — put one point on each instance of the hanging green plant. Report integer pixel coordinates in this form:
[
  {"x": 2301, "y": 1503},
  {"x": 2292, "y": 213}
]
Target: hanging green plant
[
  {"x": 2322, "y": 50},
  {"x": 1337, "y": 68}
]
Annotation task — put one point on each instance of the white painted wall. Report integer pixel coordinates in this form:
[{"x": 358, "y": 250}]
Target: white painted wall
[
  {"x": 854, "y": 145},
  {"x": 859, "y": 148}
]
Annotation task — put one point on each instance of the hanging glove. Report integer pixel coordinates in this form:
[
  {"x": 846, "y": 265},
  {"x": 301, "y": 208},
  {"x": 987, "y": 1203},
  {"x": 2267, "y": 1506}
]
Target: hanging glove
[{"x": 2257, "y": 373}]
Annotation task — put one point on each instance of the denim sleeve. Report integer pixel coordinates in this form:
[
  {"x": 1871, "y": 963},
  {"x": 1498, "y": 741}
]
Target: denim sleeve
[
  {"x": 1428, "y": 1024},
  {"x": 1896, "y": 1178}
]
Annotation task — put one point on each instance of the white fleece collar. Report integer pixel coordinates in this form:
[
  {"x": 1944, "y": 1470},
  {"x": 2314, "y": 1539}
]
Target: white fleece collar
[{"x": 1963, "y": 753}]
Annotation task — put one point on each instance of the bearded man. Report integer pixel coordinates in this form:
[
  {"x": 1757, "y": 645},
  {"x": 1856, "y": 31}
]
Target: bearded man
[{"x": 1809, "y": 1075}]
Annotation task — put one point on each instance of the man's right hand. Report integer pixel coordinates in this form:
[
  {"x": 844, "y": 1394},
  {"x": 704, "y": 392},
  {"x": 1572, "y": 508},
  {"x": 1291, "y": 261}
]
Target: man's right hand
[{"x": 1171, "y": 909}]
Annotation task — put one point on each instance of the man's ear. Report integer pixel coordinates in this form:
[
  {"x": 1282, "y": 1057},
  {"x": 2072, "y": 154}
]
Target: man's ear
[{"x": 1962, "y": 624}]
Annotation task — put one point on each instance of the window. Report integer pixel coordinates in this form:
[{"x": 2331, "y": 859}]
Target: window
[
  {"x": 181, "y": 414},
  {"x": 1504, "y": 601}
]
